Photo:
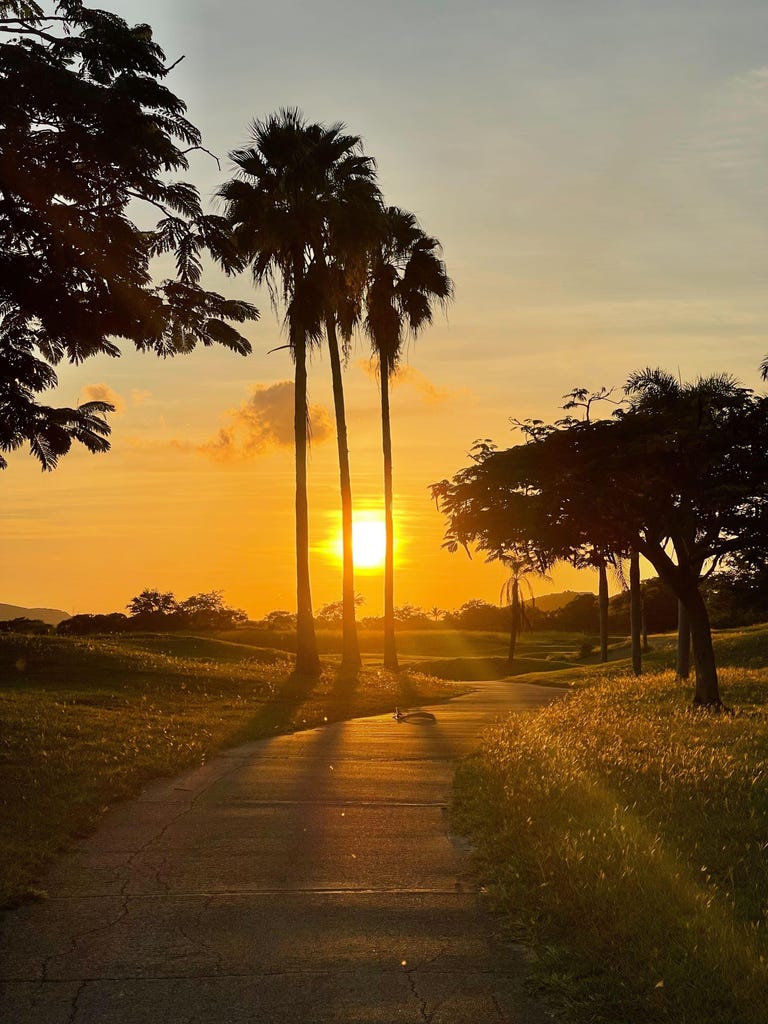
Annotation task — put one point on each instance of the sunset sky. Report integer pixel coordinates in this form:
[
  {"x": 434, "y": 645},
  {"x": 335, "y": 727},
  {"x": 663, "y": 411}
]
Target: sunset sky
[{"x": 598, "y": 175}]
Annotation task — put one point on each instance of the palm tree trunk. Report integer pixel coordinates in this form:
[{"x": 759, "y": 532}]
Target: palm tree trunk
[
  {"x": 514, "y": 627},
  {"x": 350, "y": 649},
  {"x": 307, "y": 658},
  {"x": 602, "y": 604},
  {"x": 635, "y": 613},
  {"x": 683, "y": 642},
  {"x": 390, "y": 645}
]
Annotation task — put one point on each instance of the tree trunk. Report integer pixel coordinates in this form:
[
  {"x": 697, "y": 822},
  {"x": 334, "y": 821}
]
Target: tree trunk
[
  {"x": 707, "y": 692},
  {"x": 350, "y": 649},
  {"x": 307, "y": 658},
  {"x": 644, "y": 625},
  {"x": 635, "y": 614},
  {"x": 683, "y": 642},
  {"x": 514, "y": 627},
  {"x": 390, "y": 645},
  {"x": 683, "y": 580},
  {"x": 602, "y": 604}
]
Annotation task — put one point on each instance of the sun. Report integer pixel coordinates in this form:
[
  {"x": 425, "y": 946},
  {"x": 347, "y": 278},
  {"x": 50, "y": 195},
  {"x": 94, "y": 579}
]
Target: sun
[{"x": 369, "y": 543}]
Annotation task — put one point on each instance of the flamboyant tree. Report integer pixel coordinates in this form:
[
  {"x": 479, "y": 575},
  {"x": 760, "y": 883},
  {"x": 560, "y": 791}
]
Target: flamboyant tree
[
  {"x": 680, "y": 475},
  {"x": 87, "y": 128}
]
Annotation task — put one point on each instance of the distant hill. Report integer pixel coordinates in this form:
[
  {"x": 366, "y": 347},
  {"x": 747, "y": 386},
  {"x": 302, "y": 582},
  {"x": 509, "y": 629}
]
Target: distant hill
[
  {"x": 551, "y": 602},
  {"x": 53, "y": 616}
]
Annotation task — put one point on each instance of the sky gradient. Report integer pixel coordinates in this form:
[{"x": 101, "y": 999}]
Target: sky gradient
[{"x": 598, "y": 176}]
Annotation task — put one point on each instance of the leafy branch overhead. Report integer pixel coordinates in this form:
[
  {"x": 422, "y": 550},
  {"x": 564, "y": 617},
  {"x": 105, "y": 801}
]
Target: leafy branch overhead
[{"x": 87, "y": 128}]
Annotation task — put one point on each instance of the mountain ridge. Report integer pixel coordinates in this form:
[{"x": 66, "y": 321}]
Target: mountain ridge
[{"x": 53, "y": 616}]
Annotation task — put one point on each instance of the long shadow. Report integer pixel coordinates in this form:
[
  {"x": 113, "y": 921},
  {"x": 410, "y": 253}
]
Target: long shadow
[{"x": 278, "y": 713}]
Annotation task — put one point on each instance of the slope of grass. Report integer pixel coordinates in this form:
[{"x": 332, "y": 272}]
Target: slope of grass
[
  {"x": 436, "y": 642},
  {"x": 625, "y": 836},
  {"x": 85, "y": 722}
]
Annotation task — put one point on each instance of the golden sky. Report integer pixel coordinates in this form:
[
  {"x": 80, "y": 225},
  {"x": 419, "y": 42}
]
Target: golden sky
[{"x": 598, "y": 175}]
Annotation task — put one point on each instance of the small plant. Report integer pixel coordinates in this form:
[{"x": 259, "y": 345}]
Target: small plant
[{"x": 586, "y": 648}]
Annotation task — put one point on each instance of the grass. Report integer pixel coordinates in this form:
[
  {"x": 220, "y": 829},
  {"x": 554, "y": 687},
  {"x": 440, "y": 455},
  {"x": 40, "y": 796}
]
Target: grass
[
  {"x": 85, "y": 722},
  {"x": 625, "y": 837},
  {"x": 436, "y": 642}
]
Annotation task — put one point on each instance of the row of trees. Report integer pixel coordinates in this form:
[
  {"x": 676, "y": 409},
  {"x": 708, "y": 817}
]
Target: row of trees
[
  {"x": 678, "y": 474},
  {"x": 153, "y": 610},
  {"x": 87, "y": 127},
  {"x": 308, "y": 216}
]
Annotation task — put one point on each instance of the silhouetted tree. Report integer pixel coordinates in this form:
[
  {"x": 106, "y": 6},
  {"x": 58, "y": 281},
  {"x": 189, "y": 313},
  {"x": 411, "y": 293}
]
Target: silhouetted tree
[
  {"x": 512, "y": 595},
  {"x": 208, "y": 611},
  {"x": 282, "y": 205},
  {"x": 353, "y": 223},
  {"x": 333, "y": 614},
  {"x": 87, "y": 128},
  {"x": 49, "y": 431},
  {"x": 150, "y": 602},
  {"x": 407, "y": 278},
  {"x": 681, "y": 477}
]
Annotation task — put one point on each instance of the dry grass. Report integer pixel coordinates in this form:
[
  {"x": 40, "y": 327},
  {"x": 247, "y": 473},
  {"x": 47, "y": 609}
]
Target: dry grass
[{"x": 625, "y": 836}]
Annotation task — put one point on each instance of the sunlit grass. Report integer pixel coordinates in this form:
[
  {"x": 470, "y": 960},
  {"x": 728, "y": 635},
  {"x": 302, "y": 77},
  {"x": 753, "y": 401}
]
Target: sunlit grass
[
  {"x": 85, "y": 722},
  {"x": 626, "y": 837}
]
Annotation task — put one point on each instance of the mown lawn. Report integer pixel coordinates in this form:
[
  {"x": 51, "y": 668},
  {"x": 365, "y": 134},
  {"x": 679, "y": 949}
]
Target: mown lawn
[
  {"x": 625, "y": 837},
  {"x": 85, "y": 722}
]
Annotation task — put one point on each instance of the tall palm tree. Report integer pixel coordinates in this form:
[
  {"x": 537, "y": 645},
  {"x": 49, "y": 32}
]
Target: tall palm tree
[
  {"x": 407, "y": 277},
  {"x": 284, "y": 206},
  {"x": 354, "y": 226}
]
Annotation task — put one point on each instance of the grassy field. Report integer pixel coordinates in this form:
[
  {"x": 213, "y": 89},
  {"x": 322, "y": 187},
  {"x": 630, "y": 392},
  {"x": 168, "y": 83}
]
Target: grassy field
[
  {"x": 483, "y": 654},
  {"x": 85, "y": 722},
  {"x": 625, "y": 837}
]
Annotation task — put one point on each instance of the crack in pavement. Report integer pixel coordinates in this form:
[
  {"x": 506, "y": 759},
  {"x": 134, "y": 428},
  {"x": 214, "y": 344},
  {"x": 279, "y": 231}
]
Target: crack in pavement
[
  {"x": 75, "y": 1001},
  {"x": 422, "y": 1002},
  {"x": 77, "y": 937}
]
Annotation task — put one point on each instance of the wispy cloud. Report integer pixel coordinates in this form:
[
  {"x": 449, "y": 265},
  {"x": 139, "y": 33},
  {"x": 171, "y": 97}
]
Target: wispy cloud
[
  {"x": 139, "y": 396},
  {"x": 102, "y": 393},
  {"x": 261, "y": 424},
  {"x": 731, "y": 136},
  {"x": 407, "y": 375}
]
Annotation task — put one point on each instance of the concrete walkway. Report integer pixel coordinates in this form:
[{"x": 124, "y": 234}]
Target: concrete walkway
[{"x": 310, "y": 878}]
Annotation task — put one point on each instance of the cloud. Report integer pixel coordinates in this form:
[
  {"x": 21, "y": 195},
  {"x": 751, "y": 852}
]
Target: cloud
[
  {"x": 102, "y": 393},
  {"x": 431, "y": 393},
  {"x": 731, "y": 135},
  {"x": 261, "y": 424},
  {"x": 139, "y": 396}
]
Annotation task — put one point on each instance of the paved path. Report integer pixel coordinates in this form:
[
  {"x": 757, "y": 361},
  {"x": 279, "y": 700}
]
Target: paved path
[{"x": 310, "y": 878}]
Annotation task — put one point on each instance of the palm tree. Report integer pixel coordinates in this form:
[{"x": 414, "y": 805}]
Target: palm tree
[
  {"x": 512, "y": 595},
  {"x": 407, "y": 276},
  {"x": 285, "y": 207},
  {"x": 354, "y": 225}
]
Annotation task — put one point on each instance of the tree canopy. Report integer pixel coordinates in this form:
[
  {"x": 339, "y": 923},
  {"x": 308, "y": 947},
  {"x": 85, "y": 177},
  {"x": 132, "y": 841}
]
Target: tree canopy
[
  {"x": 87, "y": 128},
  {"x": 679, "y": 473}
]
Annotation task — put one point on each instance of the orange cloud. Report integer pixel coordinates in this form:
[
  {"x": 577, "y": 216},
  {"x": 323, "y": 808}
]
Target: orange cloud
[
  {"x": 139, "y": 396},
  {"x": 261, "y": 424},
  {"x": 102, "y": 393},
  {"x": 431, "y": 393}
]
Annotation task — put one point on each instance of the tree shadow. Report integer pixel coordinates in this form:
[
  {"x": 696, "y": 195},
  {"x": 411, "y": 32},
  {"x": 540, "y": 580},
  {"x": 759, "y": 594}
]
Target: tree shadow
[{"x": 278, "y": 714}]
